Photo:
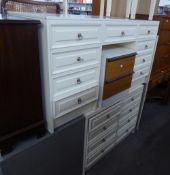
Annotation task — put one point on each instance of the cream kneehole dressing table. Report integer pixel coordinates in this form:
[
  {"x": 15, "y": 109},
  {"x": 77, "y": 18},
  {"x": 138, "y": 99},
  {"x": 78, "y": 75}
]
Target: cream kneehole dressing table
[{"x": 73, "y": 73}]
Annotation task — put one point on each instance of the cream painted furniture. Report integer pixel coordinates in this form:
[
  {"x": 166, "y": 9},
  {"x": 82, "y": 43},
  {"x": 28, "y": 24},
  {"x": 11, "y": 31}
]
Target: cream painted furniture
[{"x": 72, "y": 67}]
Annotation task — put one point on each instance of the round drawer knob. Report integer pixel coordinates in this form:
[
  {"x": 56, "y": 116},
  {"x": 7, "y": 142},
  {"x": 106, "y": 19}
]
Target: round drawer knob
[
  {"x": 149, "y": 32},
  {"x": 127, "y": 130},
  {"x": 104, "y": 140},
  {"x": 128, "y": 120},
  {"x": 80, "y": 36},
  {"x": 146, "y": 46},
  {"x": 144, "y": 60},
  {"x": 104, "y": 128},
  {"x": 121, "y": 66},
  {"x": 132, "y": 99},
  {"x": 141, "y": 73},
  {"x": 130, "y": 110},
  {"x": 167, "y": 20},
  {"x": 78, "y": 81},
  {"x": 108, "y": 116},
  {"x": 79, "y": 101},
  {"x": 79, "y": 59},
  {"x": 123, "y": 33}
]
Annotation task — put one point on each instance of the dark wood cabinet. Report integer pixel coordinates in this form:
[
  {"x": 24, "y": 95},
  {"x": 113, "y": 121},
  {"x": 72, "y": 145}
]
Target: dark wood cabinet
[{"x": 20, "y": 84}]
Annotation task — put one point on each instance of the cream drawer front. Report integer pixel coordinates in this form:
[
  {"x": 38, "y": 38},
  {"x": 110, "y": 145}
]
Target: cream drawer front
[
  {"x": 74, "y": 34},
  {"x": 103, "y": 117},
  {"x": 118, "y": 34},
  {"x": 147, "y": 31},
  {"x": 142, "y": 60},
  {"x": 76, "y": 101},
  {"x": 103, "y": 129},
  {"x": 75, "y": 60},
  {"x": 138, "y": 81},
  {"x": 75, "y": 83},
  {"x": 127, "y": 127},
  {"x": 145, "y": 45},
  {"x": 141, "y": 73},
  {"x": 99, "y": 144},
  {"x": 142, "y": 66},
  {"x": 131, "y": 99}
]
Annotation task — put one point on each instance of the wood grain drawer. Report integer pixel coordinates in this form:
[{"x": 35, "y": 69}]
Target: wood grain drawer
[
  {"x": 76, "y": 101},
  {"x": 117, "y": 86},
  {"x": 145, "y": 45},
  {"x": 164, "y": 37},
  {"x": 118, "y": 68},
  {"x": 74, "y": 61},
  {"x": 75, "y": 83},
  {"x": 103, "y": 117},
  {"x": 165, "y": 23},
  {"x": 141, "y": 60},
  {"x": 118, "y": 34},
  {"x": 74, "y": 34},
  {"x": 147, "y": 31},
  {"x": 103, "y": 129},
  {"x": 163, "y": 51}
]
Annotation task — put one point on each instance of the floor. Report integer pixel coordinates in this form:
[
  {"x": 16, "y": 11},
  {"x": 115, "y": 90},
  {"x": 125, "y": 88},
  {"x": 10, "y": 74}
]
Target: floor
[{"x": 147, "y": 152}]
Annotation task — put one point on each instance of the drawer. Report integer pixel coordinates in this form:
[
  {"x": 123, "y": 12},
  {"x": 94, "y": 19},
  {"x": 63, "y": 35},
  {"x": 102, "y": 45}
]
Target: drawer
[
  {"x": 76, "y": 101},
  {"x": 118, "y": 34},
  {"x": 138, "y": 81},
  {"x": 147, "y": 31},
  {"x": 75, "y": 83},
  {"x": 74, "y": 34},
  {"x": 103, "y": 129},
  {"x": 165, "y": 23},
  {"x": 163, "y": 51},
  {"x": 145, "y": 45},
  {"x": 99, "y": 144},
  {"x": 142, "y": 66},
  {"x": 141, "y": 73},
  {"x": 164, "y": 37},
  {"x": 103, "y": 116},
  {"x": 126, "y": 128},
  {"x": 73, "y": 61},
  {"x": 110, "y": 89},
  {"x": 118, "y": 68},
  {"x": 141, "y": 60}
]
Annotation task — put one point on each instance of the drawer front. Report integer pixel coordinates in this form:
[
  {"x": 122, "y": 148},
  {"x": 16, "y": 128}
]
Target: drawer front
[
  {"x": 103, "y": 117},
  {"x": 75, "y": 60},
  {"x": 141, "y": 73},
  {"x": 99, "y": 144},
  {"x": 145, "y": 45},
  {"x": 74, "y": 34},
  {"x": 142, "y": 60},
  {"x": 142, "y": 66},
  {"x": 117, "y": 86},
  {"x": 163, "y": 51},
  {"x": 103, "y": 129},
  {"x": 119, "y": 68},
  {"x": 75, "y": 83},
  {"x": 147, "y": 31},
  {"x": 165, "y": 23},
  {"x": 76, "y": 101},
  {"x": 138, "y": 81},
  {"x": 164, "y": 37},
  {"x": 119, "y": 34}
]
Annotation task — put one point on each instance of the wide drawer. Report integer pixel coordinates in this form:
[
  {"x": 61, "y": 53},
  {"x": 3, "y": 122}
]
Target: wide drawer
[
  {"x": 145, "y": 45},
  {"x": 118, "y": 68},
  {"x": 76, "y": 101},
  {"x": 103, "y": 116},
  {"x": 118, "y": 34},
  {"x": 103, "y": 129},
  {"x": 147, "y": 31},
  {"x": 73, "y": 61},
  {"x": 117, "y": 86},
  {"x": 74, "y": 34},
  {"x": 75, "y": 83},
  {"x": 141, "y": 60}
]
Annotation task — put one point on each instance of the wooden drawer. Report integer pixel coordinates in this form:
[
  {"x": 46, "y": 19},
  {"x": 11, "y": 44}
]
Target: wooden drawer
[
  {"x": 74, "y": 34},
  {"x": 103, "y": 129},
  {"x": 75, "y": 83},
  {"x": 103, "y": 117},
  {"x": 164, "y": 37},
  {"x": 165, "y": 23},
  {"x": 99, "y": 144},
  {"x": 76, "y": 101},
  {"x": 74, "y": 61},
  {"x": 145, "y": 45},
  {"x": 142, "y": 60},
  {"x": 118, "y": 34},
  {"x": 163, "y": 51},
  {"x": 117, "y": 86},
  {"x": 118, "y": 68},
  {"x": 147, "y": 31}
]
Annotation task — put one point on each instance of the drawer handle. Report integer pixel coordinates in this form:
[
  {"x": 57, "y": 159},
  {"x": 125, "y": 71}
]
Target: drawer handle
[
  {"x": 123, "y": 33},
  {"x": 79, "y": 101},
  {"x": 102, "y": 151},
  {"x": 108, "y": 116},
  {"x": 79, "y": 81},
  {"x": 80, "y": 36},
  {"x": 103, "y": 140},
  {"x": 144, "y": 60},
  {"x": 127, "y": 130},
  {"x": 149, "y": 32},
  {"x": 79, "y": 59},
  {"x": 128, "y": 120},
  {"x": 121, "y": 66},
  {"x": 104, "y": 128},
  {"x": 130, "y": 110},
  {"x": 132, "y": 99},
  {"x": 146, "y": 46},
  {"x": 141, "y": 73},
  {"x": 167, "y": 20}
]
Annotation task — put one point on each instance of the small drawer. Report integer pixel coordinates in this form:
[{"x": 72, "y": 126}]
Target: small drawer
[
  {"x": 142, "y": 66},
  {"x": 97, "y": 145},
  {"x": 117, "y": 86},
  {"x": 103, "y": 129},
  {"x": 118, "y": 34},
  {"x": 130, "y": 99},
  {"x": 145, "y": 45},
  {"x": 75, "y": 83},
  {"x": 164, "y": 37},
  {"x": 73, "y": 61},
  {"x": 118, "y": 68},
  {"x": 76, "y": 101},
  {"x": 165, "y": 23},
  {"x": 141, "y": 60},
  {"x": 138, "y": 81},
  {"x": 74, "y": 34},
  {"x": 103, "y": 117},
  {"x": 147, "y": 31},
  {"x": 141, "y": 73}
]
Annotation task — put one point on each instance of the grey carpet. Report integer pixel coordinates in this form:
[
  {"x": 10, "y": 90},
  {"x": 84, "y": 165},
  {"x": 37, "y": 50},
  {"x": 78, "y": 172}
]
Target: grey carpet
[{"x": 146, "y": 152}]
